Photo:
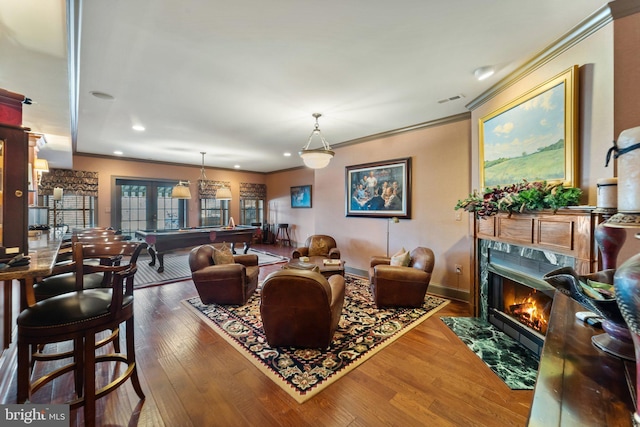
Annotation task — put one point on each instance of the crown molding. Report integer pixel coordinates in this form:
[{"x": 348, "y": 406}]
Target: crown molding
[
  {"x": 423, "y": 125},
  {"x": 590, "y": 25}
]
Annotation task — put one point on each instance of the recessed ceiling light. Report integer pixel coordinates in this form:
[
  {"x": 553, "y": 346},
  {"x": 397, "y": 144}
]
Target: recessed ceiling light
[
  {"x": 484, "y": 72},
  {"x": 118, "y": 153},
  {"x": 287, "y": 154},
  {"x": 139, "y": 128},
  {"x": 237, "y": 166},
  {"x": 102, "y": 95}
]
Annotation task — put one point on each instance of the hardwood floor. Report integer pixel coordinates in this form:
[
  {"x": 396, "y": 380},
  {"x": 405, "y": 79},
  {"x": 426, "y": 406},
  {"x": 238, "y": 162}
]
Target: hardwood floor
[{"x": 192, "y": 377}]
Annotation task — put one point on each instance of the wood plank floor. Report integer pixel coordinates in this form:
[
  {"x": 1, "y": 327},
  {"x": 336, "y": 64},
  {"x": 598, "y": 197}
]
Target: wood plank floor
[{"x": 192, "y": 377}]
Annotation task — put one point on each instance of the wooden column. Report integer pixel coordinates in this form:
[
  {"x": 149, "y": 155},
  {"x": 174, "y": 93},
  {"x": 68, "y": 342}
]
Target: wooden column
[{"x": 626, "y": 64}]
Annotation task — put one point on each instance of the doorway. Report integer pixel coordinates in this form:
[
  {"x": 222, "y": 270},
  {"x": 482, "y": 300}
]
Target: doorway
[{"x": 147, "y": 205}]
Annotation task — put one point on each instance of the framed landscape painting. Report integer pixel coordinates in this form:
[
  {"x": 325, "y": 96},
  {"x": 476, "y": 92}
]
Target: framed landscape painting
[
  {"x": 381, "y": 189},
  {"x": 301, "y": 196},
  {"x": 534, "y": 137}
]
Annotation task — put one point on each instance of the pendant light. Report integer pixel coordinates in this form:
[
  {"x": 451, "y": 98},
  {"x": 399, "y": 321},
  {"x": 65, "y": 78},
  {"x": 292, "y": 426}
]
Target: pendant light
[{"x": 320, "y": 157}]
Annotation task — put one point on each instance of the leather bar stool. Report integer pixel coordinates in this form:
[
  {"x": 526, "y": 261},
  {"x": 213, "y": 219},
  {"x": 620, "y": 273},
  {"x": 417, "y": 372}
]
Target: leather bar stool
[
  {"x": 79, "y": 316},
  {"x": 63, "y": 279},
  {"x": 282, "y": 235}
]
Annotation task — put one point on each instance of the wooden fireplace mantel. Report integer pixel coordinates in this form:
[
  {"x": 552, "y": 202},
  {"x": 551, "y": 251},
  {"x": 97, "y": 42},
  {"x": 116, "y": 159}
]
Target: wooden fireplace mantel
[{"x": 567, "y": 231}]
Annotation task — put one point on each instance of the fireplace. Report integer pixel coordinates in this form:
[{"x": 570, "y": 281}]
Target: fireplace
[
  {"x": 516, "y": 300},
  {"x": 514, "y": 252}
]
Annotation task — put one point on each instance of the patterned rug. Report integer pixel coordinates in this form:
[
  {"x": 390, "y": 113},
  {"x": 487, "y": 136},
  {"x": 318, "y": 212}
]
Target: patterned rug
[
  {"x": 176, "y": 267},
  {"x": 363, "y": 331},
  {"x": 508, "y": 359}
]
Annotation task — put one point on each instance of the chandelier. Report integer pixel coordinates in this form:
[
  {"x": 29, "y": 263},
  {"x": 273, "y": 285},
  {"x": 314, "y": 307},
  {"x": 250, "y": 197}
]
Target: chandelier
[
  {"x": 202, "y": 182},
  {"x": 181, "y": 190},
  {"x": 320, "y": 157}
]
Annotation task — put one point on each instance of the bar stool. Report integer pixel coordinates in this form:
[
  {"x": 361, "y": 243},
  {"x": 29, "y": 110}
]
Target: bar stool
[
  {"x": 257, "y": 237},
  {"x": 282, "y": 235},
  {"x": 79, "y": 316}
]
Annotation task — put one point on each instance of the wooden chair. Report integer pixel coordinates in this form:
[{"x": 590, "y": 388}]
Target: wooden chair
[
  {"x": 63, "y": 279},
  {"x": 79, "y": 316}
]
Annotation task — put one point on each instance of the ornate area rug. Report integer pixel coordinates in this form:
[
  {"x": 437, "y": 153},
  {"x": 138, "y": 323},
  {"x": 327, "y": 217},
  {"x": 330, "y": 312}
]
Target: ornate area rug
[{"x": 363, "y": 331}]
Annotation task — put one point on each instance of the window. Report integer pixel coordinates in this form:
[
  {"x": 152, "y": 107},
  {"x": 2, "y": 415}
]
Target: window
[
  {"x": 74, "y": 211},
  {"x": 214, "y": 212},
  {"x": 251, "y": 211},
  {"x": 148, "y": 205}
]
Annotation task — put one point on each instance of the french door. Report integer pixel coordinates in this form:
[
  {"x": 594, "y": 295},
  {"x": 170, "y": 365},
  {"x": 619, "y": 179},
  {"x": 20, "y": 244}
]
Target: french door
[{"x": 147, "y": 205}]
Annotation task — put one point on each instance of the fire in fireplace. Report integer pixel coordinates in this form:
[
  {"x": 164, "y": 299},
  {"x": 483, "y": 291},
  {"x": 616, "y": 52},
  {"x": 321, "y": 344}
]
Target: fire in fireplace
[
  {"x": 518, "y": 299},
  {"x": 528, "y": 306}
]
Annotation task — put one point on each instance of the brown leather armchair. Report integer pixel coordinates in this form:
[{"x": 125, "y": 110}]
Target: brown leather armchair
[
  {"x": 318, "y": 245},
  {"x": 301, "y": 308},
  {"x": 224, "y": 283},
  {"x": 397, "y": 286}
]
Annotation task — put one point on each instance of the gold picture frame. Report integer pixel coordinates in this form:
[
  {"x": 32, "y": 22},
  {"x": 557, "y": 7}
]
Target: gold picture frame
[{"x": 534, "y": 137}]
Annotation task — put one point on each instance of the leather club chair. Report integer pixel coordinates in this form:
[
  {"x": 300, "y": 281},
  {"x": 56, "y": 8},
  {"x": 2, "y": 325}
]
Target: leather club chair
[
  {"x": 398, "y": 286},
  {"x": 231, "y": 284},
  {"x": 301, "y": 308},
  {"x": 318, "y": 245}
]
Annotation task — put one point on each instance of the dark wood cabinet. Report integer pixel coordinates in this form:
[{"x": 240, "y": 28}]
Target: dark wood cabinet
[{"x": 14, "y": 159}]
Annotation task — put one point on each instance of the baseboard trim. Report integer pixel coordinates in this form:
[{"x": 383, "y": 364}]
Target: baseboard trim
[
  {"x": 434, "y": 288},
  {"x": 446, "y": 292}
]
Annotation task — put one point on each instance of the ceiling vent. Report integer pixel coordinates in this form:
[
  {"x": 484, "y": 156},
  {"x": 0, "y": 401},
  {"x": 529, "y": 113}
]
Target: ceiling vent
[{"x": 453, "y": 98}]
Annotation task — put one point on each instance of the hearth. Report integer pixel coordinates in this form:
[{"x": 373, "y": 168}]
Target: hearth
[{"x": 514, "y": 297}]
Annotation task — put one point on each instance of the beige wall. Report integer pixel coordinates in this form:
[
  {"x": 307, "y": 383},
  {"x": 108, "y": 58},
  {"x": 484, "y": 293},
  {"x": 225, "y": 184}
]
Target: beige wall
[
  {"x": 301, "y": 220},
  {"x": 440, "y": 165},
  {"x": 111, "y": 168}
]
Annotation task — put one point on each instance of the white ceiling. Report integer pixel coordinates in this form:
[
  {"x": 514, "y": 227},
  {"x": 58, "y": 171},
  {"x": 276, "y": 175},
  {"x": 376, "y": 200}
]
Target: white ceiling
[{"x": 241, "y": 79}]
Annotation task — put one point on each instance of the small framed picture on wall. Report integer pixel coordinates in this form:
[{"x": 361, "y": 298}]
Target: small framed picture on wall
[{"x": 301, "y": 196}]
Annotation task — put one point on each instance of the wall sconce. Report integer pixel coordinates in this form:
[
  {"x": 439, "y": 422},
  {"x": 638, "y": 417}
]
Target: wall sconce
[
  {"x": 40, "y": 166},
  {"x": 181, "y": 190},
  {"x": 57, "y": 193}
]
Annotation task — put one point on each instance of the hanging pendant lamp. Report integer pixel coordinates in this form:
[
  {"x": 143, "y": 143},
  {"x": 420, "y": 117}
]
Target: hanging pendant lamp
[{"x": 320, "y": 157}]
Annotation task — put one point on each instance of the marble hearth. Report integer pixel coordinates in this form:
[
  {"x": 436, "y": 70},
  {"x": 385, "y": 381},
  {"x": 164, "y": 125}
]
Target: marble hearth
[
  {"x": 521, "y": 249},
  {"x": 500, "y": 262}
]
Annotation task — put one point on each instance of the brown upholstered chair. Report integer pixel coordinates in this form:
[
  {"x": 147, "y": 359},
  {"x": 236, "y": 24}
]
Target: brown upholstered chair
[
  {"x": 318, "y": 245},
  {"x": 397, "y": 286},
  {"x": 224, "y": 283},
  {"x": 301, "y": 308}
]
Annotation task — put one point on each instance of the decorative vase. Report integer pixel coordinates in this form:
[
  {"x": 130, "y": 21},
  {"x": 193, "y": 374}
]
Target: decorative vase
[
  {"x": 610, "y": 241},
  {"x": 618, "y": 340},
  {"x": 627, "y": 285}
]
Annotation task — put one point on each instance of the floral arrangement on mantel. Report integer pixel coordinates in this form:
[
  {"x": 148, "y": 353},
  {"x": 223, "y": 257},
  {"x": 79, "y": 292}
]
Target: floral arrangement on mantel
[{"x": 520, "y": 197}]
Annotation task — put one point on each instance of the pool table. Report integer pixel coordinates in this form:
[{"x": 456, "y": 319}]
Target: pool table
[{"x": 163, "y": 241}]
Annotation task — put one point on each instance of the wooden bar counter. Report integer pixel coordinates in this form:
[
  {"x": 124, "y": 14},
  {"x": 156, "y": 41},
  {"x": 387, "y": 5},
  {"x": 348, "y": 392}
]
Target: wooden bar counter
[
  {"x": 579, "y": 385},
  {"x": 43, "y": 251}
]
